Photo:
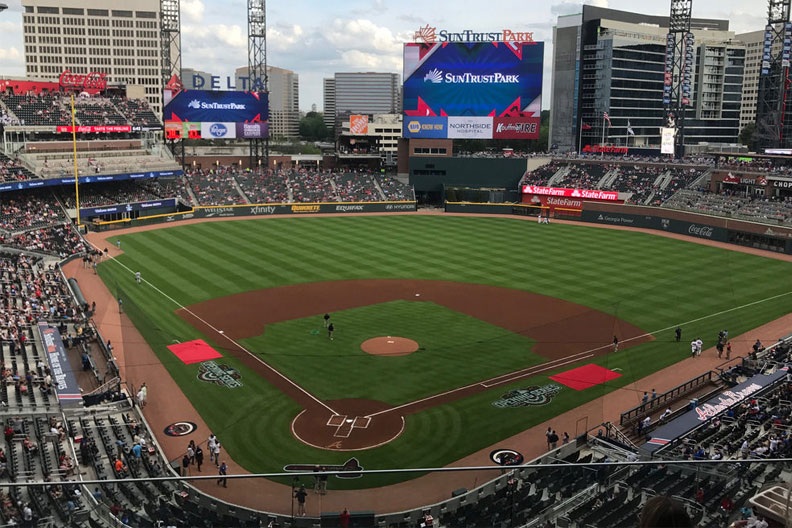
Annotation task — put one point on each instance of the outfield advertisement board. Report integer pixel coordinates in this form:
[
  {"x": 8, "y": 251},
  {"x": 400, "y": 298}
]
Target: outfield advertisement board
[
  {"x": 473, "y": 90},
  {"x": 50, "y": 182},
  {"x": 126, "y": 208},
  {"x": 698, "y": 230},
  {"x": 302, "y": 208},
  {"x": 585, "y": 194}
]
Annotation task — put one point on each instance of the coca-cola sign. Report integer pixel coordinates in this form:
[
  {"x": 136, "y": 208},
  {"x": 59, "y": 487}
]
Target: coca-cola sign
[
  {"x": 92, "y": 81},
  {"x": 700, "y": 231}
]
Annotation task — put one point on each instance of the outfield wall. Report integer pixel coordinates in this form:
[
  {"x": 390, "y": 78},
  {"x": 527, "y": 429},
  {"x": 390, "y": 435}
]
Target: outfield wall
[
  {"x": 768, "y": 237},
  {"x": 271, "y": 209}
]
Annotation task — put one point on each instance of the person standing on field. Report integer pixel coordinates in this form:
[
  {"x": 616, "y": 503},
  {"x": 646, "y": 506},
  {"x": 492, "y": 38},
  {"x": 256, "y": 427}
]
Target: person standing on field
[
  {"x": 330, "y": 330},
  {"x": 615, "y": 344},
  {"x": 326, "y": 319},
  {"x": 217, "y": 448},
  {"x": 137, "y": 277}
]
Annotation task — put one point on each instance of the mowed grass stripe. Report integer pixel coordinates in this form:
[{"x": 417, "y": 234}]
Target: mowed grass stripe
[{"x": 650, "y": 281}]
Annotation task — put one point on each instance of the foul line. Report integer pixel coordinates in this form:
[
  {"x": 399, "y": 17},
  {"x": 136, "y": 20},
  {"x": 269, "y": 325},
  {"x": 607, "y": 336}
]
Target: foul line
[
  {"x": 174, "y": 301},
  {"x": 514, "y": 376}
]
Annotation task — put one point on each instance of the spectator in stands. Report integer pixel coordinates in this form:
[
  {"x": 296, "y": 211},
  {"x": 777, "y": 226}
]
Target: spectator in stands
[{"x": 664, "y": 512}]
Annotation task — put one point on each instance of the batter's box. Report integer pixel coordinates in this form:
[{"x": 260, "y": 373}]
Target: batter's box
[
  {"x": 336, "y": 420},
  {"x": 361, "y": 422}
]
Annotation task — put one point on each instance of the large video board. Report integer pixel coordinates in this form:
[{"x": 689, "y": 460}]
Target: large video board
[
  {"x": 473, "y": 90},
  {"x": 217, "y": 115}
]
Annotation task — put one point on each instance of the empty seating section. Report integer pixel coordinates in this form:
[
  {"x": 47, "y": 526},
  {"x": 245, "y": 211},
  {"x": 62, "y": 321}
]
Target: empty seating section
[
  {"x": 309, "y": 186},
  {"x": 639, "y": 180},
  {"x": 37, "y": 110},
  {"x": 542, "y": 175},
  {"x": 11, "y": 170},
  {"x": 263, "y": 188},
  {"x": 52, "y": 109},
  {"x": 99, "y": 194},
  {"x": 61, "y": 164},
  {"x": 757, "y": 209},
  {"x": 356, "y": 187},
  {"x": 214, "y": 187},
  {"x": 394, "y": 190},
  {"x": 136, "y": 111},
  {"x": 97, "y": 111}
]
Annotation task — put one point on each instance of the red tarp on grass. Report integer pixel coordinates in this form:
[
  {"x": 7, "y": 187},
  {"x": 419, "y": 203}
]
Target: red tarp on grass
[
  {"x": 584, "y": 377},
  {"x": 194, "y": 351}
]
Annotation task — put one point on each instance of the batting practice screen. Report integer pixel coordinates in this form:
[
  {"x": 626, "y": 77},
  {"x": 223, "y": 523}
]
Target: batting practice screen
[{"x": 473, "y": 90}]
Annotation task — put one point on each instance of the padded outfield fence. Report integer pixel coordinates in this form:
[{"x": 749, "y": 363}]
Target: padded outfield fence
[{"x": 261, "y": 210}]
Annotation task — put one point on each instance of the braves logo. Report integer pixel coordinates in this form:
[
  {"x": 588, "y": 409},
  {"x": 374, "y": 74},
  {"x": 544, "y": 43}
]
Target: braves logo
[
  {"x": 223, "y": 375},
  {"x": 180, "y": 428},
  {"x": 534, "y": 395}
]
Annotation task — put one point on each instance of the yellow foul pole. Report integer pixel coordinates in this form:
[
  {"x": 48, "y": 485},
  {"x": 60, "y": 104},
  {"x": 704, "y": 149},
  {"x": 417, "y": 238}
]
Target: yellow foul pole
[{"x": 76, "y": 179}]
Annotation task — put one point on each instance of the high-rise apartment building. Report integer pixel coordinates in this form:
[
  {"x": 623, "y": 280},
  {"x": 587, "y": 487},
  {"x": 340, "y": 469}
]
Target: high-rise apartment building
[
  {"x": 361, "y": 93},
  {"x": 284, "y": 99},
  {"x": 116, "y": 37},
  {"x": 612, "y": 61}
]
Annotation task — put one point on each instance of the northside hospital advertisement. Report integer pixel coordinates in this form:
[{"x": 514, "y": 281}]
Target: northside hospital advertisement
[
  {"x": 473, "y": 90},
  {"x": 217, "y": 115}
]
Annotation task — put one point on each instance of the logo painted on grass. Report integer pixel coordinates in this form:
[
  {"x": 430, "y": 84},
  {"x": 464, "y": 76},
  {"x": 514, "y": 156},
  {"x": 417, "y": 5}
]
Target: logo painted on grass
[
  {"x": 211, "y": 372},
  {"x": 534, "y": 395},
  {"x": 180, "y": 428},
  {"x": 506, "y": 457},
  {"x": 350, "y": 465}
]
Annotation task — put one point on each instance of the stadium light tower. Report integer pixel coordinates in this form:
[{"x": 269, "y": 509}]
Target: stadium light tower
[
  {"x": 170, "y": 40},
  {"x": 680, "y": 57},
  {"x": 773, "y": 122},
  {"x": 257, "y": 70}
]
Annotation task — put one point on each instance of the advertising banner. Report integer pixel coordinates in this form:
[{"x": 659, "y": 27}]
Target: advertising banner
[
  {"x": 95, "y": 129},
  {"x": 694, "y": 418},
  {"x": 121, "y": 208},
  {"x": 217, "y": 107},
  {"x": 571, "y": 193},
  {"x": 470, "y": 127},
  {"x": 569, "y": 206},
  {"x": 301, "y": 208},
  {"x": 218, "y": 130},
  {"x": 667, "y": 140},
  {"x": 63, "y": 379},
  {"x": 358, "y": 124},
  {"x": 252, "y": 130},
  {"x": 426, "y": 127},
  {"x": 515, "y": 128},
  {"x": 472, "y": 79},
  {"x": 50, "y": 182},
  {"x": 182, "y": 130}
]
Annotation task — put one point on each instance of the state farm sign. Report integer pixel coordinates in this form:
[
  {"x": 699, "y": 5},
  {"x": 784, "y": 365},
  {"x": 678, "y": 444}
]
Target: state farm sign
[
  {"x": 92, "y": 81},
  {"x": 571, "y": 193},
  {"x": 606, "y": 149}
]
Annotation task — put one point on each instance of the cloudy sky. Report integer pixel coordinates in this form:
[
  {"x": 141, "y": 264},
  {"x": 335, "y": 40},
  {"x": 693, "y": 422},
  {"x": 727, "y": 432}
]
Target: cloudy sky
[{"x": 317, "y": 37}]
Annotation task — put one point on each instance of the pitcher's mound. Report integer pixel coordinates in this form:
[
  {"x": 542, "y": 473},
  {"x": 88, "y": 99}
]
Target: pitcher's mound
[{"x": 389, "y": 346}]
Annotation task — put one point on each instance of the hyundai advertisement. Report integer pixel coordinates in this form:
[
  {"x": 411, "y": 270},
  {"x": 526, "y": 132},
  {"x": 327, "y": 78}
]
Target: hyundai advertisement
[
  {"x": 219, "y": 113},
  {"x": 473, "y": 90}
]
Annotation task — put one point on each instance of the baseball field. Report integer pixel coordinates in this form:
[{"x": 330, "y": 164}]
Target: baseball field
[{"x": 469, "y": 318}]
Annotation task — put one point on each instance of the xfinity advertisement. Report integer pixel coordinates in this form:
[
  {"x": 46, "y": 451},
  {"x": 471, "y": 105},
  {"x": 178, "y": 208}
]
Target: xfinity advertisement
[
  {"x": 480, "y": 90},
  {"x": 220, "y": 113}
]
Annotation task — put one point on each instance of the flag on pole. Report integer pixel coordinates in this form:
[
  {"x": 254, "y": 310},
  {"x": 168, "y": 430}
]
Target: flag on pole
[
  {"x": 605, "y": 116},
  {"x": 584, "y": 126},
  {"x": 629, "y": 129}
]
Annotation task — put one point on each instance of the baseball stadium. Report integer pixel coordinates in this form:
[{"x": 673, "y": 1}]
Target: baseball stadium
[{"x": 442, "y": 316}]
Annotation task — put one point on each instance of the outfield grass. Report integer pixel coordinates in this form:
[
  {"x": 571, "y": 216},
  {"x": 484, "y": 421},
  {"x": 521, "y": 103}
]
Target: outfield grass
[
  {"x": 467, "y": 350},
  {"x": 649, "y": 281}
]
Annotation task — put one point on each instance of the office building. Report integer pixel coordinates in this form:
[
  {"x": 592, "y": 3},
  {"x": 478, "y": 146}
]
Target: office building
[
  {"x": 361, "y": 93},
  {"x": 328, "y": 97},
  {"x": 612, "y": 61},
  {"x": 284, "y": 99},
  {"x": 378, "y": 138},
  {"x": 115, "y": 37}
]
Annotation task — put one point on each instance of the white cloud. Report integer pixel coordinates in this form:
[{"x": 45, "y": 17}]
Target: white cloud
[
  {"x": 362, "y": 34},
  {"x": 284, "y": 38},
  {"x": 13, "y": 61},
  {"x": 357, "y": 59},
  {"x": 192, "y": 10},
  {"x": 207, "y": 36}
]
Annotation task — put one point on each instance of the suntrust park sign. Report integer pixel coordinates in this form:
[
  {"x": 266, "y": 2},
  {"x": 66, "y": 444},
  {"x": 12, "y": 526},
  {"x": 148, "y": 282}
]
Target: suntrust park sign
[{"x": 430, "y": 35}]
